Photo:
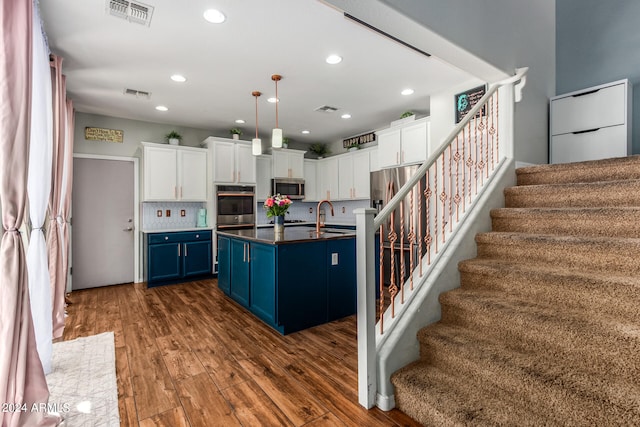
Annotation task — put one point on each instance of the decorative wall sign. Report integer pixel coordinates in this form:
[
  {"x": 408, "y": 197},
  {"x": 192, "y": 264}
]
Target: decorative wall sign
[
  {"x": 358, "y": 140},
  {"x": 465, "y": 101},
  {"x": 101, "y": 134}
]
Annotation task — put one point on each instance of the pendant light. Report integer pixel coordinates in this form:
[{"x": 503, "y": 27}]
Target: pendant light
[
  {"x": 256, "y": 143},
  {"x": 276, "y": 136}
]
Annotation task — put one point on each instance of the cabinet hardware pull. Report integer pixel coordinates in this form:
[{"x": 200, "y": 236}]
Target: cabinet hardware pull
[
  {"x": 248, "y": 253},
  {"x": 181, "y": 191},
  {"x": 397, "y": 157},
  {"x": 175, "y": 192},
  {"x": 244, "y": 252},
  {"x": 585, "y": 131},
  {"x": 178, "y": 249},
  {"x": 585, "y": 93},
  {"x": 185, "y": 250},
  {"x": 402, "y": 156}
]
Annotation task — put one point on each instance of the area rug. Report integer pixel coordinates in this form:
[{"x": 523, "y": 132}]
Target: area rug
[{"x": 83, "y": 385}]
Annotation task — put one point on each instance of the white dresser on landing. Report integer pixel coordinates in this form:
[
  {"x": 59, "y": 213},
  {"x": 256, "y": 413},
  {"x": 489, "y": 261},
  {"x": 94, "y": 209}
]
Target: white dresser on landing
[{"x": 591, "y": 124}]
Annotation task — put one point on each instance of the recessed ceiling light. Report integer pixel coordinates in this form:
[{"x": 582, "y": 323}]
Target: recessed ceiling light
[
  {"x": 407, "y": 91},
  {"x": 240, "y": 121},
  {"x": 214, "y": 16},
  {"x": 272, "y": 100},
  {"x": 333, "y": 59},
  {"x": 346, "y": 116},
  {"x": 178, "y": 78},
  {"x": 306, "y": 132},
  {"x": 162, "y": 108}
]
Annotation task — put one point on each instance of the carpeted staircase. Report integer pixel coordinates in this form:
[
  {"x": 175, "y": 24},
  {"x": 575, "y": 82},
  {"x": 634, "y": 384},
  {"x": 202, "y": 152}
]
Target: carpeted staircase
[{"x": 545, "y": 328}]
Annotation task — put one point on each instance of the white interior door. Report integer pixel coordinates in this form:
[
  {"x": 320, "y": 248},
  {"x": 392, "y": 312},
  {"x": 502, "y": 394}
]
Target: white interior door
[{"x": 103, "y": 222}]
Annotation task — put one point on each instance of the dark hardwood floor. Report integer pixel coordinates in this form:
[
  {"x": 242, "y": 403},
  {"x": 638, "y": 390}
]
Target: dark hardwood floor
[{"x": 186, "y": 355}]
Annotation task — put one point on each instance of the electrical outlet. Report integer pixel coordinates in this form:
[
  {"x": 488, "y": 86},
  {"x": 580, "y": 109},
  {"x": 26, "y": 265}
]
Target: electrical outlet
[
  {"x": 310, "y": 210},
  {"x": 334, "y": 258},
  {"x": 159, "y": 213},
  {"x": 167, "y": 213},
  {"x": 343, "y": 209},
  {"x": 182, "y": 212}
]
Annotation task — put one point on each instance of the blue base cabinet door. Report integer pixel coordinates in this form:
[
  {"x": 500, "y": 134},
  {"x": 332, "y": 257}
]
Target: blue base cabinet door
[
  {"x": 224, "y": 264},
  {"x": 341, "y": 280},
  {"x": 164, "y": 262},
  {"x": 263, "y": 282},
  {"x": 197, "y": 258},
  {"x": 240, "y": 256}
]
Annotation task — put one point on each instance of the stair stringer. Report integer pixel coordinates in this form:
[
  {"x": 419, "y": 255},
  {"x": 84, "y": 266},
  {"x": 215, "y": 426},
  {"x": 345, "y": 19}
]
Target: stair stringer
[{"x": 399, "y": 346}]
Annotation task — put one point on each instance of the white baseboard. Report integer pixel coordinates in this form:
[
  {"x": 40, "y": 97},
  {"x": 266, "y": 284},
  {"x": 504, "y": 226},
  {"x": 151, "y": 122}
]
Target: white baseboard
[{"x": 386, "y": 403}]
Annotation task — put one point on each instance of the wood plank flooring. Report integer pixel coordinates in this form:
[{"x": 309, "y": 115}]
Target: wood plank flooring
[{"x": 186, "y": 355}]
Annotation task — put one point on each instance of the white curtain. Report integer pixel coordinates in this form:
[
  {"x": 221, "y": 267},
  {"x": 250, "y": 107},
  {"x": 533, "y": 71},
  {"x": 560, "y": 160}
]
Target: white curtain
[{"x": 38, "y": 188}]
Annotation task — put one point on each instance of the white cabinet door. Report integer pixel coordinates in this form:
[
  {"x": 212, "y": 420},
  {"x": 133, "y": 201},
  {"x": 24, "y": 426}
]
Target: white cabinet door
[
  {"x": 246, "y": 164},
  {"x": 570, "y": 147},
  {"x": 361, "y": 176},
  {"x": 263, "y": 178},
  {"x": 328, "y": 179},
  {"x": 224, "y": 162},
  {"x": 296, "y": 165},
  {"x": 310, "y": 181},
  {"x": 414, "y": 143},
  {"x": 389, "y": 149},
  {"x": 160, "y": 172},
  {"x": 345, "y": 177},
  {"x": 280, "y": 164},
  {"x": 192, "y": 172}
]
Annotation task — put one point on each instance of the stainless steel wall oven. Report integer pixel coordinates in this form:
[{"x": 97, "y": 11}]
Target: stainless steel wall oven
[{"x": 236, "y": 206}]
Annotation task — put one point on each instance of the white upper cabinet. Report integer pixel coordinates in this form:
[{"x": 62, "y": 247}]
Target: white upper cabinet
[
  {"x": 327, "y": 174},
  {"x": 176, "y": 173},
  {"x": 288, "y": 163},
  {"x": 310, "y": 181},
  {"x": 233, "y": 162},
  {"x": 404, "y": 144},
  {"x": 353, "y": 176}
]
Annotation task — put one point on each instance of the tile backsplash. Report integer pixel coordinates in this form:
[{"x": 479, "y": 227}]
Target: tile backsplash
[
  {"x": 300, "y": 211},
  {"x": 151, "y": 220}
]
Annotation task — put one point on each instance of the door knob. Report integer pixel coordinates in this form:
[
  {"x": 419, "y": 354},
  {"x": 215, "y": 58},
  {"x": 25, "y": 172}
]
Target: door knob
[{"x": 128, "y": 229}]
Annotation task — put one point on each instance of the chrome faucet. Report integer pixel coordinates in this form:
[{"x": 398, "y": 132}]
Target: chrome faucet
[{"x": 318, "y": 224}]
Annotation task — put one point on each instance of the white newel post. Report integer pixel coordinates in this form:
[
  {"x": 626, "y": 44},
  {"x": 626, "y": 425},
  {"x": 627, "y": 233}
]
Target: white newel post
[{"x": 365, "y": 270}]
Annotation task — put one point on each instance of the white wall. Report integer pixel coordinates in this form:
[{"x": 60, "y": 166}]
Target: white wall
[{"x": 488, "y": 39}]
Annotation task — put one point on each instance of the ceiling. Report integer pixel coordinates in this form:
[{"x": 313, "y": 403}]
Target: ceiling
[{"x": 224, "y": 63}]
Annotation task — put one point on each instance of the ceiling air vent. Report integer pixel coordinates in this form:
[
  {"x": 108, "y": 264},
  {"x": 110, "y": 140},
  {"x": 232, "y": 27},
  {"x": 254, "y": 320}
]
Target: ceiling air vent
[
  {"x": 326, "y": 109},
  {"x": 137, "y": 12},
  {"x": 138, "y": 93}
]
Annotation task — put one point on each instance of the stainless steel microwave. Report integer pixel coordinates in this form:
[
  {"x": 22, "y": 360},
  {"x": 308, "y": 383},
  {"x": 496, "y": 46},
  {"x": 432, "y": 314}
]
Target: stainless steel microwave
[{"x": 292, "y": 187}]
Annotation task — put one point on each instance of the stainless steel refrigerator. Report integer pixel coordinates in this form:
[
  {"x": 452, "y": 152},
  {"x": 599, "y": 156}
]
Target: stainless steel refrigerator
[{"x": 384, "y": 185}]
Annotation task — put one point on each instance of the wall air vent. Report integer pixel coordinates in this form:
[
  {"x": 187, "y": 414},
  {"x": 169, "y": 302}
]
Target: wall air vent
[
  {"x": 131, "y": 11},
  {"x": 326, "y": 109},
  {"x": 138, "y": 93}
]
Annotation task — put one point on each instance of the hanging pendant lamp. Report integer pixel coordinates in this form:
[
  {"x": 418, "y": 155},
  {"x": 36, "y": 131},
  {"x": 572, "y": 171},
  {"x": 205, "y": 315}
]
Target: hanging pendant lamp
[
  {"x": 276, "y": 136},
  {"x": 256, "y": 143}
]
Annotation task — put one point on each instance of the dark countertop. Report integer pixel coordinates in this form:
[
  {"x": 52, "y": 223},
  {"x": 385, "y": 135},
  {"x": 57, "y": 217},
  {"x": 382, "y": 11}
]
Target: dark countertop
[{"x": 290, "y": 235}]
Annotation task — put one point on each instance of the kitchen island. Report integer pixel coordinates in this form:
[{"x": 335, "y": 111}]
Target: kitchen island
[{"x": 291, "y": 281}]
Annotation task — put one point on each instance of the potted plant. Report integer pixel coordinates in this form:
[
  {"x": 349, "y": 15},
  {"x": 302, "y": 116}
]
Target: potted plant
[
  {"x": 235, "y": 133},
  {"x": 173, "y": 138},
  {"x": 407, "y": 114},
  {"x": 405, "y": 117},
  {"x": 285, "y": 142},
  {"x": 319, "y": 149},
  {"x": 353, "y": 147}
]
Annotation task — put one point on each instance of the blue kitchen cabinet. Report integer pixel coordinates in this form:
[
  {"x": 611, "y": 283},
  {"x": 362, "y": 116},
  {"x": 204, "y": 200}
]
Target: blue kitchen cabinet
[
  {"x": 224, "y": 264},
  {"x": 176, "y": 256},
  {"x": 239, "y": 284},
  {"x": 262, "y": 293},
  {"x": 341, "y": 278}
]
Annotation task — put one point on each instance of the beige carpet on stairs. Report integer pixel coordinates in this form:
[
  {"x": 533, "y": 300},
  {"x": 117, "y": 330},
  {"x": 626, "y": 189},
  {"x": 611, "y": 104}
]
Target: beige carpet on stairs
[{"x": 545, "y": 328}]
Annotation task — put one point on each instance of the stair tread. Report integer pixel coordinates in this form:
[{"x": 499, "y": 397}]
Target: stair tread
[
  {"x": 575, "y": 210},
  {"x": 515, "y": 237},
  {"x": 528, "y": 376},
  {"x": 438, "y": 399},
  {"x": 634, "y": 159}
]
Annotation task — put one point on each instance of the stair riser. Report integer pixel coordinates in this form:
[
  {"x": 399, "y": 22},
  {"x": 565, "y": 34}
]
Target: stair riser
[
  {"x": 526, "y": 386},
  {"x": 620, "y": 300},
  {"x": 614, "y": 257},
  {"x": 569, "y": 225},
  {"x": 604, "y": 355},
  {"x": 617, "y": 194}
]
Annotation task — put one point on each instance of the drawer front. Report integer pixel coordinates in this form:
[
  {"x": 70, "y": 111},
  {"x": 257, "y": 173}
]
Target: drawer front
[
  {"x": 181, "y": 236},
  {"x": 602, "y": 108},
  {"x": 601, "y": 144}
]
